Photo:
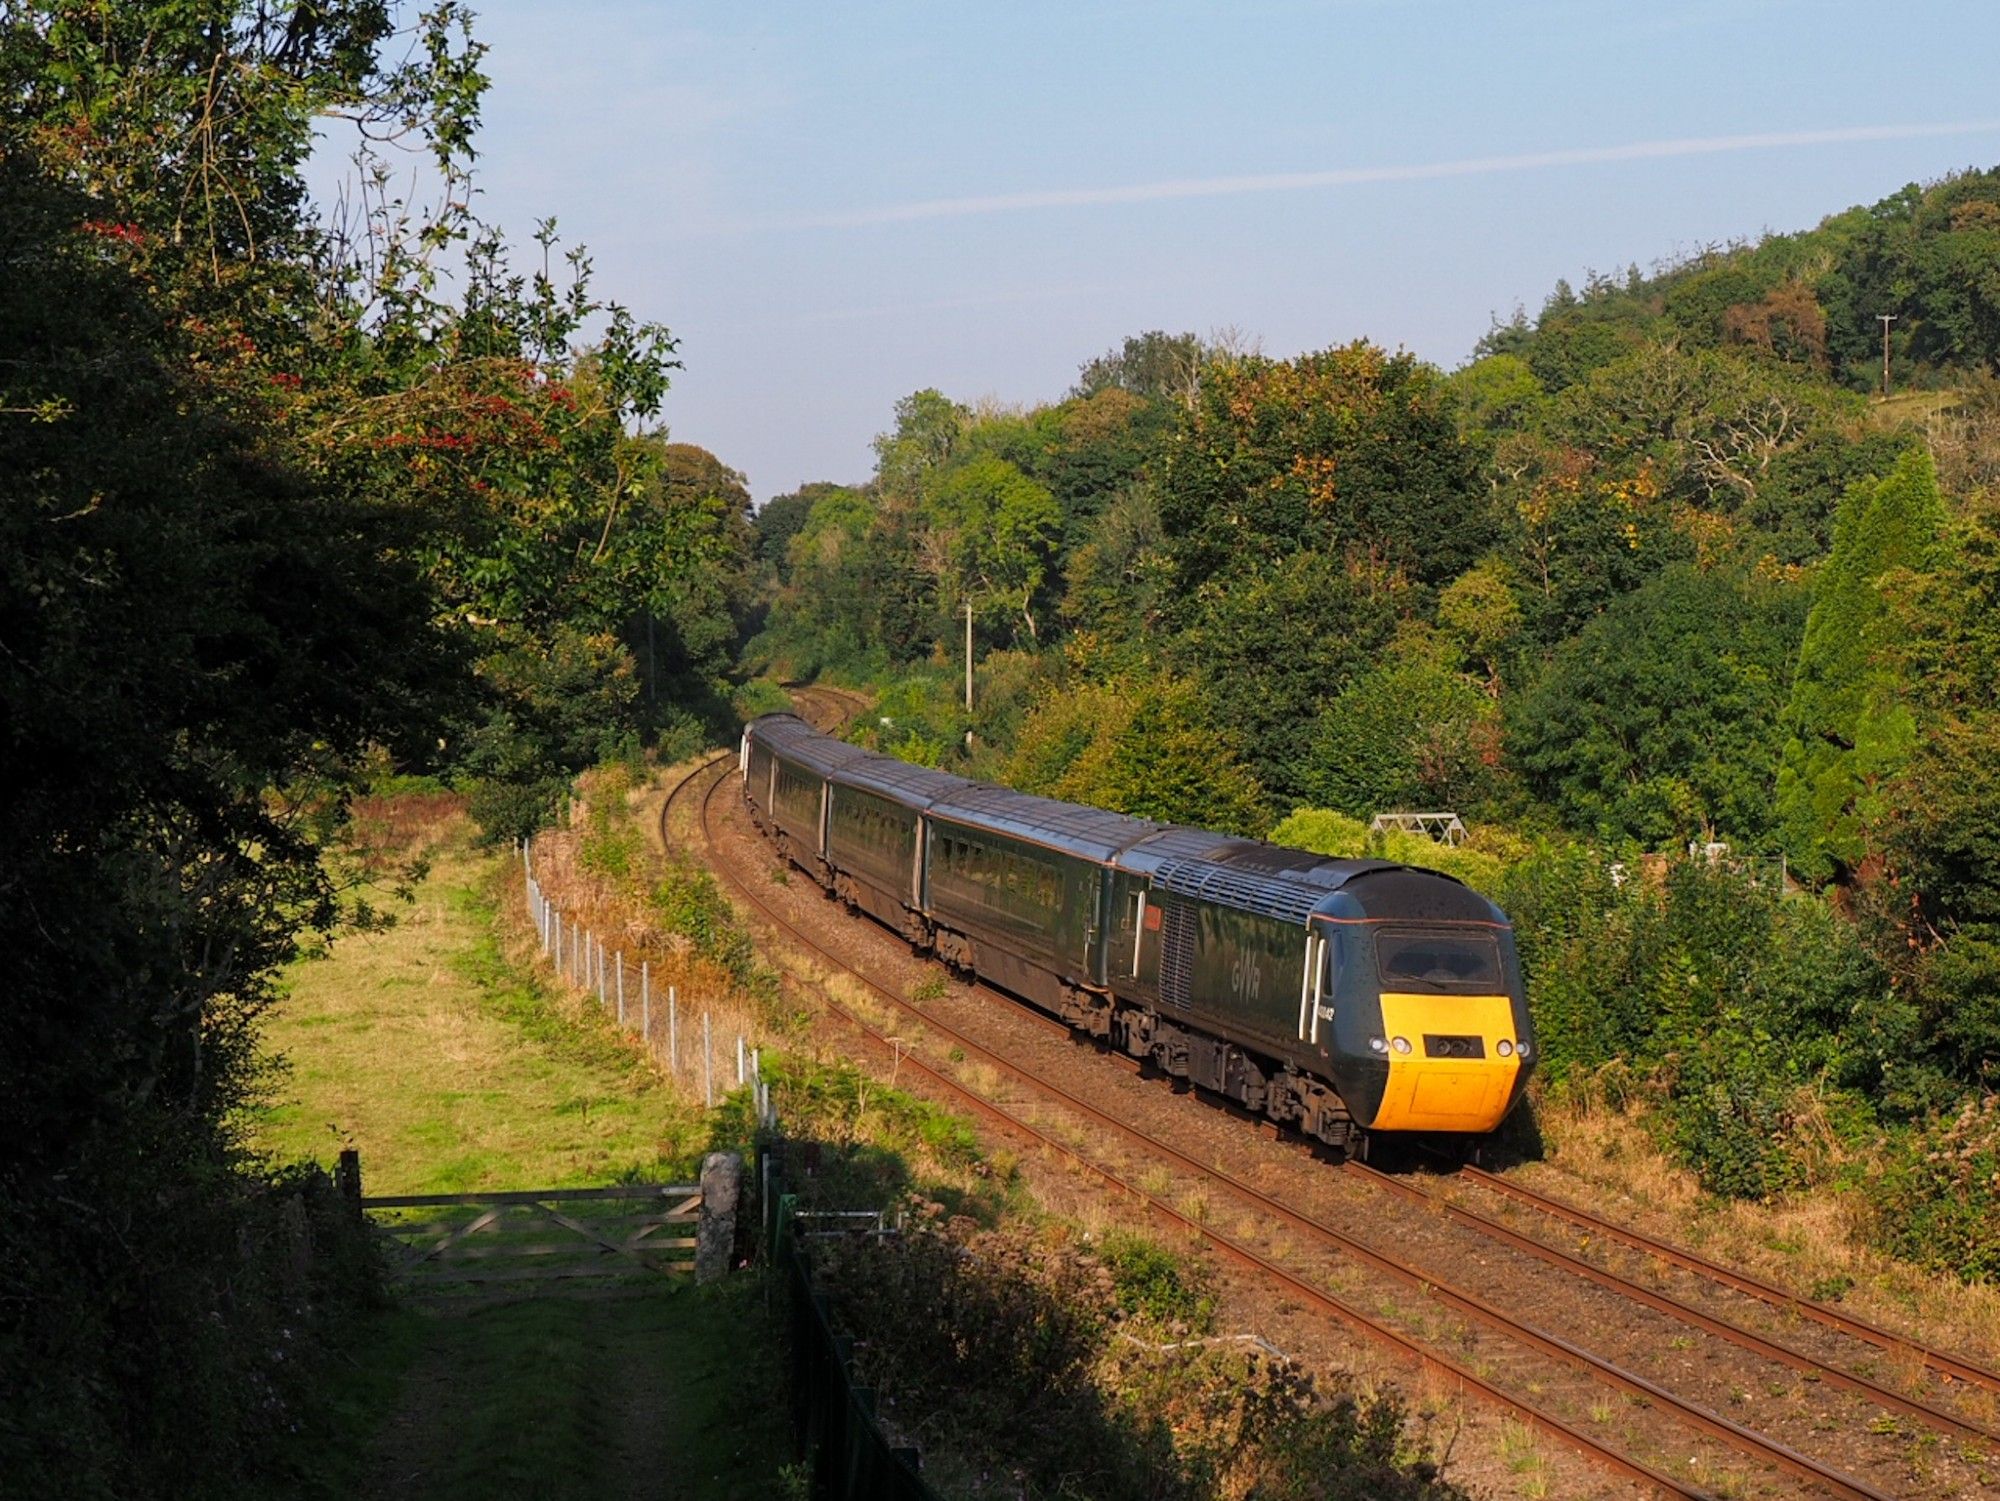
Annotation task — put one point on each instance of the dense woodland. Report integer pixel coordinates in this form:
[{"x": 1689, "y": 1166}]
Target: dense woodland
[
  {"x": 303, "y": 502},
  {"x": 1652, "y": 573}
]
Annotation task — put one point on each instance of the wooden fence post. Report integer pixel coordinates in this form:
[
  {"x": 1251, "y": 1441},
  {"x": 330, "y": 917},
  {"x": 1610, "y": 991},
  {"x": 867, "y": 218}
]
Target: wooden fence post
[
  {"x": 347, "y": 1178},
  {"x": 715, "y": 1230}
]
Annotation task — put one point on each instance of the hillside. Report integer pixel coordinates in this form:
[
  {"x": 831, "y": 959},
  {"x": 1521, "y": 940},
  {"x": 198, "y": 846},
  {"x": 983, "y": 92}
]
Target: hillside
[
  {"x": 1649, "y": 575},
  {"x": 1927, "y": 255}
]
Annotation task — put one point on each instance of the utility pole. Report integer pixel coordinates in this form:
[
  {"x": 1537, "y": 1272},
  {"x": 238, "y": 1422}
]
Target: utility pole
[
  {"x": 968, "y": 673},
  {"x": 1885, "y": 319}
]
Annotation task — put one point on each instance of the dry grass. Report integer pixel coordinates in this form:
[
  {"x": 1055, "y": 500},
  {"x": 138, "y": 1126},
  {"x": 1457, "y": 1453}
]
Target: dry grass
[
  {"x": 613, "y": 905},
  {"x": 1810, "y": 1242}
]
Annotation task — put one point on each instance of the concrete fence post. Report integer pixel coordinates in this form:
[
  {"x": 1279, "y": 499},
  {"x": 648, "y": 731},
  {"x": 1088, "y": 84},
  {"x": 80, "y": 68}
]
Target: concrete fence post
[
  {"x": 646, "y": 1000},
  {"x": 673, "y": 1032},
  {"x": 715, "y": 1228},
  {"x": 619, "y": 960},
  {"x": 707, "y": 1063},
  {"x": 739, "y": 1060}
]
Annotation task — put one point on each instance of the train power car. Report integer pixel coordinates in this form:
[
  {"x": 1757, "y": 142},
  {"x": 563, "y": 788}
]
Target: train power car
[{"x": 1342, "y": 997}]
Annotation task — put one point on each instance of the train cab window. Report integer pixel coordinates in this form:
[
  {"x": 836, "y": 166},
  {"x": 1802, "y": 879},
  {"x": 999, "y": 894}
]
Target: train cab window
[{"x": 1437, "y": 960}]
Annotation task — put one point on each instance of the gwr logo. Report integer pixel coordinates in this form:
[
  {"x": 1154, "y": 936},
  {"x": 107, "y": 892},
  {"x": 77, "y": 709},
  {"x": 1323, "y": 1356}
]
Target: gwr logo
[{"x": 1246, "y": 977}]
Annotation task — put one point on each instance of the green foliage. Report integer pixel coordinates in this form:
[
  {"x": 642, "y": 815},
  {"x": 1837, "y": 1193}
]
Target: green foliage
[
  {"x": 1150, "y": 748},
  {"x": 203, "y": 635},
  {"x": 1153, "y": 1283},
  {"x": 1747, "y": 1009},
  {"x": 1352, "y": 453},
  {"x": 687, "y": 901},
  {"x": 269, "y": 487},
  {"x": 1495, "y": 394},
  {"x": 995, "y": 529},
  {"x": 1481, "y": 862},
  {"x": 1271, "y": 649},
  {"x": 1409, "y": 733},
  {"x": 1480, "y": 611},
  {"x": 998, "y": 1348},
  {"x": 1850, "y": 727},
  {"x": 1807, "y": 301},
  {"x": 1660, "y": 720},
  {"x": 552, "y": 709},
  {"x": 1156, "y": 366},
  {"x": 1936, "y": 1200},
  {"x": 760, "y": 696},
  {"x": 1574, "y": 925}
]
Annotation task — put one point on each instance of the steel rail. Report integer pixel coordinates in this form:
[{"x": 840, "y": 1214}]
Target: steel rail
[
  {"x": 1735, "y": 1435},
  {"x": 1945, "y": 1364},
  {"x": 1673, "y": 1307}
]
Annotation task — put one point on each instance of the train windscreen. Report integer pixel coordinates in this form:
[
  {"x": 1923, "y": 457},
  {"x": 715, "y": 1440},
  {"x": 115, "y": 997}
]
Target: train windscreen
[{"x": 1434, "y": 959}]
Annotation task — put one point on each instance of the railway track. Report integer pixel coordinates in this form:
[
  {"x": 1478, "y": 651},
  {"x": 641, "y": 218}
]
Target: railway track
[{"x": 1462, "y": 1301}]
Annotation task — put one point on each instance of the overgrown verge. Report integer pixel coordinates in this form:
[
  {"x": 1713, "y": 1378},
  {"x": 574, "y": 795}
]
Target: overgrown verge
[{"x": 1028, "y": 1359}]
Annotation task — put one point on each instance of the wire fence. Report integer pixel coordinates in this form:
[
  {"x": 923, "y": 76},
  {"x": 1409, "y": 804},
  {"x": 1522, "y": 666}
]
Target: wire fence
[
  {"x": 677, "y": 1032},
  {"x": 834, "y": 1420}
]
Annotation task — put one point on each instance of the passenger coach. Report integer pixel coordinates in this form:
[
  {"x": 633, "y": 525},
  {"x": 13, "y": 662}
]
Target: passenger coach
[{"x": 1339, "y": 996}]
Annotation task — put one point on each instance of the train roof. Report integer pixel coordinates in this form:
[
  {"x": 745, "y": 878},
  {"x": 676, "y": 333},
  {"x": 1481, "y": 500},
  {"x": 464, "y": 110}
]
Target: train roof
[
  {"x": 1251, "y": 874},
  {"x": 1091, "y": 833},
  {"x": 791, "y": 737},
  {"x": 1293, "y": 885},
  {"x": 1289, "y": 885},
  {"x": 914, "y": 787},
  {"x": 1171, "y": 842}
]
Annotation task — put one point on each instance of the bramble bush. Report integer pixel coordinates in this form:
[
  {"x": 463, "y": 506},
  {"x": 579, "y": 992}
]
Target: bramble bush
[{"x": 1936, "y": 1199}]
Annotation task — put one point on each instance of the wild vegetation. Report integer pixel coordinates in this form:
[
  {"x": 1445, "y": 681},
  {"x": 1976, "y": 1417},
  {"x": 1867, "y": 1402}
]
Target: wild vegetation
[
  {"x": 303, "y": 502},
  {"x": 1692, "y": 632},
  {"x": 290, "y": 501}
]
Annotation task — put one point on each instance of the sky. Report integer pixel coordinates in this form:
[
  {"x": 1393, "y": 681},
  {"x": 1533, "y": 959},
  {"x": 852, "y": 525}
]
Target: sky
[{"x": 835, "y": 204}]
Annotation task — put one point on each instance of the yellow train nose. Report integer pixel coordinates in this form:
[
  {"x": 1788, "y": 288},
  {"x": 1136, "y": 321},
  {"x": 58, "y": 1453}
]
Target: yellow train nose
[{"x": 1453, "y": 1076}]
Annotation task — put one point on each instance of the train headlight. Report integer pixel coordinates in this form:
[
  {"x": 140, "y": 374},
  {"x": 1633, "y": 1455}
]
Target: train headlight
[
  {"x": 1504, "y": 1048},
  {"x": 1378, "y": 1044},
  {"x": 1525, "y": 1050},
  {"x": 1400, "y": 1044}
]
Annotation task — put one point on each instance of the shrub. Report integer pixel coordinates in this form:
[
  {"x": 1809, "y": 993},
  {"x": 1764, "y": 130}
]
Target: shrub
[
  {"x": 1151, "y": 1281},
  {"x": 1936, "y": 1200},
  {"x": 1481, "y": 862}
]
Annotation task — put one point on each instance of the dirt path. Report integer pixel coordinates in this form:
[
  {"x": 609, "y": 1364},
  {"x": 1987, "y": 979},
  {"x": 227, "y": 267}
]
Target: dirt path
[{"x": 644, "y": 1396}]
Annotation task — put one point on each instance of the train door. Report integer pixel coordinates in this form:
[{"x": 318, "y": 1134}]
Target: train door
[
  {"x": 1313, "y": 990},
  {"x": 1133, "y": 935}
]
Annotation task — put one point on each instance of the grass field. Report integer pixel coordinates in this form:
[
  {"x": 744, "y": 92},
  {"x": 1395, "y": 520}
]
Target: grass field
[
  {"x": 452, "y": 1069},
  {"x": 434, "y": 1050}
]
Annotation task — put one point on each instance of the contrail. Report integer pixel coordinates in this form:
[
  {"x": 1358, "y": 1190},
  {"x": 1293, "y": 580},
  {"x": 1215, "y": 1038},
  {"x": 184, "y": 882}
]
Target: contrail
[{"x": 1340, "y": 177}]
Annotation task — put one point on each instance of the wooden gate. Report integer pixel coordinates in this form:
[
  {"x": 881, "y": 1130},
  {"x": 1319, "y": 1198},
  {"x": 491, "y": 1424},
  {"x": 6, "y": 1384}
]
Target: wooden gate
[{"x": 462, "y": 1242}]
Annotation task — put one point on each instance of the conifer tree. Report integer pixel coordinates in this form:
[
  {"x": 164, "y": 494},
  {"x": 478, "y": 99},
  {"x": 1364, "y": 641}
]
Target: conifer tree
[{"x": 1850, "y": 726}]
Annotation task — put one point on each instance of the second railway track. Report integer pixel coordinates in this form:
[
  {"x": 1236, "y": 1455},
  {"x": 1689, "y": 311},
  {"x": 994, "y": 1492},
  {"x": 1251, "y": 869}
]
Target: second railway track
[{"x": 1816, "y": 1474}]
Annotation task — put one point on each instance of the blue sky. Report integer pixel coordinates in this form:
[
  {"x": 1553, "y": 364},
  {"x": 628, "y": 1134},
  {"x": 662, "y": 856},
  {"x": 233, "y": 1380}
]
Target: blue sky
[{"x": 835, "y": 204}]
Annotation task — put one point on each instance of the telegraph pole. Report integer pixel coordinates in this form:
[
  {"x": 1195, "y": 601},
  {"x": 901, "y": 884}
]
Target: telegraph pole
[
  {"x": 1885, "y": 319},
  {"x": 968, "y": 673}
]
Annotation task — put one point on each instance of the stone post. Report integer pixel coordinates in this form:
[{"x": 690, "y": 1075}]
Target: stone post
[{"x": 715, "y": 1231}]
